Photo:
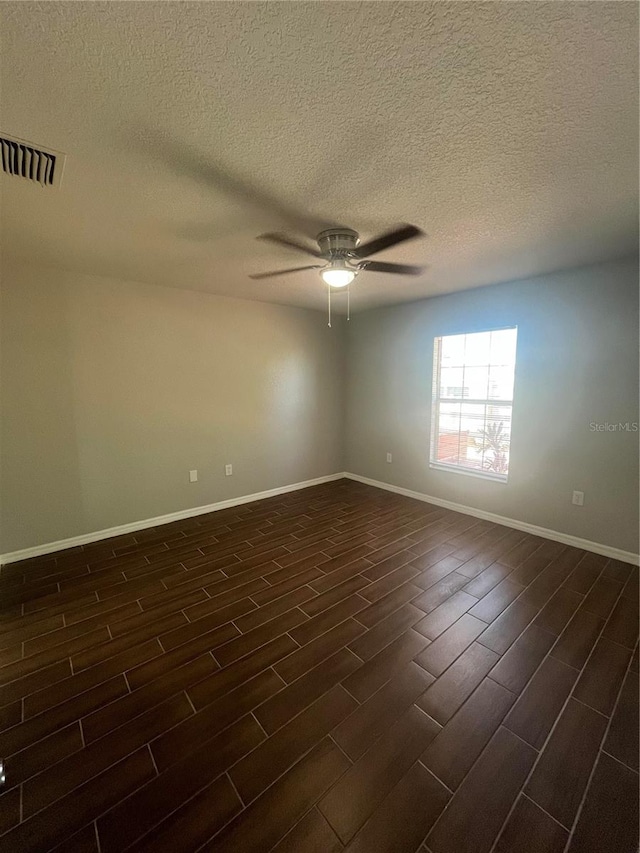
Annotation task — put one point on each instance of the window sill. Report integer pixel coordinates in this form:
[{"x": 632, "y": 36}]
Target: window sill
[{"x": 480, "y": 475}]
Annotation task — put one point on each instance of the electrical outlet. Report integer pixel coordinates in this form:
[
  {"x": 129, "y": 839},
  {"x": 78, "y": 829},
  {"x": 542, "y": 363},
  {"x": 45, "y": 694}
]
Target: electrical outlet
[
  {"x": 193, "y": 476},
  {"x": 228, "y": 470},
  {"x": 389, "y": 457},
  {"x": 578, "y": 499}
]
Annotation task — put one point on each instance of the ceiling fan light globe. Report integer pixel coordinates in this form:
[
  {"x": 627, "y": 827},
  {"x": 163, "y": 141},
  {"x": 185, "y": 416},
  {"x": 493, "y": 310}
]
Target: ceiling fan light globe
[{"x": 337, "y": 277}]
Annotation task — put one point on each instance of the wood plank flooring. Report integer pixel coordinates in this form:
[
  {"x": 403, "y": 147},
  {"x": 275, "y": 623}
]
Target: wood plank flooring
[{"x": 334, "y": 669}]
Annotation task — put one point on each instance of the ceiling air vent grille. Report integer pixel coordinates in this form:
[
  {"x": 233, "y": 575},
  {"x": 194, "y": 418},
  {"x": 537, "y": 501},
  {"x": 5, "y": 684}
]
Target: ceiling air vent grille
[{"x": 24, "y": 160}]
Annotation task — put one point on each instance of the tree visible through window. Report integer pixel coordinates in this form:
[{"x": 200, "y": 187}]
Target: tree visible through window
[{"x": 472, "y": 401}]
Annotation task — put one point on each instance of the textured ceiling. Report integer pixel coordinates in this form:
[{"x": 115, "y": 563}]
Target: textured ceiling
[{"x": 507, "y": 131}]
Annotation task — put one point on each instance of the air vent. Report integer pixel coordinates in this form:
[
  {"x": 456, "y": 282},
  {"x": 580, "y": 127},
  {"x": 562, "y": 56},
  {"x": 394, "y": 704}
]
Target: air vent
[{"x": 24, "y": 160}]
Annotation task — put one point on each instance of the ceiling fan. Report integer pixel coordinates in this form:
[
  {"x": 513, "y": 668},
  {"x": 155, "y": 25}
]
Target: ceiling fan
[
  {"x": 339, "y": 249},
  {"x": 343, "y": 256}
]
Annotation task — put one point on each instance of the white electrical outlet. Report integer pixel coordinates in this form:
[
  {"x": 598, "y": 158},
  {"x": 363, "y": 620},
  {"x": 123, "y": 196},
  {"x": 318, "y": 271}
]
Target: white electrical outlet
[
  {"x": 578, "y": 499},
  {"x": 389, "y": 457},
  {"x": 228, "y": 470},
  {"x": 193, "y": 476}
]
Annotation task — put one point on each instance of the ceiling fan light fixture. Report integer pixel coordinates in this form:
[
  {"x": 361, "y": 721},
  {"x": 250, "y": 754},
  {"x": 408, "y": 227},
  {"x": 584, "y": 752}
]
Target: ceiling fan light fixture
[
  {"x": 337, "y": 275},
  {"x": 343, "y": 256}
]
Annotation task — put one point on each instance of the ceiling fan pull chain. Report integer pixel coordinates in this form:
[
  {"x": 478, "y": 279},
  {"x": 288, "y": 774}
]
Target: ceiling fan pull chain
[
  {"x": 348, "y": 302},
  {"x": 329, "y": 300}
]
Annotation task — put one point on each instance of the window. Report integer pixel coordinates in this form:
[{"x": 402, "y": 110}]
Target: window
[{"x": 472, "y": 401}]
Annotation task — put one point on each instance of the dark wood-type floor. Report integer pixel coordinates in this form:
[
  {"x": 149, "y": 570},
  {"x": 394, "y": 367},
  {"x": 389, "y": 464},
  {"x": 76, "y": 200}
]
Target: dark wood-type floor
[{"x": 338, "y": 668}]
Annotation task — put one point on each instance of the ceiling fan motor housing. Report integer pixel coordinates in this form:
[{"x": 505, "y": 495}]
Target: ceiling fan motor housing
[{"x": 338, "y": 242}]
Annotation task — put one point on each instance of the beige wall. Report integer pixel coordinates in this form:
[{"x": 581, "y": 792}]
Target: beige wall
[
  {"x": 113, "y": 391},
  {"x": 577, "y": 363}
]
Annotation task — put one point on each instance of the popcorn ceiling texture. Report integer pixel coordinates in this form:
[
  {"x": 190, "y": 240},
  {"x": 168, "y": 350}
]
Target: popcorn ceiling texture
[{"x": 508, "y": 131}]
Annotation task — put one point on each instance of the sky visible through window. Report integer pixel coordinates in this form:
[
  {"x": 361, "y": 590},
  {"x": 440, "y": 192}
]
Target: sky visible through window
[{"x": 473, "y": 395}]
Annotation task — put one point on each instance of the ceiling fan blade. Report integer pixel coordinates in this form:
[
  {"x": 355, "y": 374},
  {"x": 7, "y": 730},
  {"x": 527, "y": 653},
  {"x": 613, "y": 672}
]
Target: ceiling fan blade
[
  {"x": 284, "y": 272},
  {"x": 283, "y": 240},
  {"x": 399, "y": 269},
  {"x": 391, "y": 238}
]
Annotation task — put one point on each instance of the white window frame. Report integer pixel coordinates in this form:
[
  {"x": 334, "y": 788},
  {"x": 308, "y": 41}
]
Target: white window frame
[{"x": 435, "y": 411}]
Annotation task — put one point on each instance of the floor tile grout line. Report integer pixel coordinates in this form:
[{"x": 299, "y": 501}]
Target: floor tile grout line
[
  {"x": 618, "y": 761},
  {"x": 107, "y": 733},
  {"x": 603, "y": 740},
  {"x": 141, "y": 747},
  {"x": 515, "y": 734},
  {"x": 261, "y": 727},
  {"x": 352, "y": 763},
  {"x": 497, "y": 560},
  {"x": 469, "y": 770},
  {"x": 616, "y": 643},
  {"x": 278, "y": 692},
  {"x": 99, "y": 645},
  {"x": 54, "y": 803},
  {"x": 112, "y": 556},
  {"x": 284, "y": 683},
  {"x": 551, "y": 654},
  {"x": 125, "y": 672},
  {"x": 288, "y": 634},
  {"x": 69, "y": 699},
  {"x": 153, "y": 761},
  {"x": 300, "y": 818},
  {"x": 452, "y": 791},
  {"x": 445, "y": 808},
  {"x": 538, "y": 806},
  {"x": 210, "y": 651},
  {"x": 372, "y": 626},
  {"x": 590, "y": 707},
  {"x": 95, "y": 829},
  {"x": 558, "y": 715},
  {"x": 172, "y": 811},
  {"x": 289, "y": 767},
  {"x": 218, "y": 832},
  {"x": 548, "y": 654},
  {"x": 531, "y": 622},
  {"x": 484, "y": 748},
  {"x": 189, "y": 701},
  {"x": 237, "y": 793},
  {"x": 266, "y": 643}
]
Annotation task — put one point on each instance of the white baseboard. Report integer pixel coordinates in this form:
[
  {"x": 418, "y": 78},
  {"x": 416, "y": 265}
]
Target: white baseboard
[
  {"x": 96, "y": 536},
  {"x": 555, "y": 535}
]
